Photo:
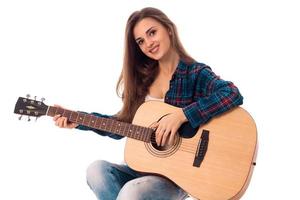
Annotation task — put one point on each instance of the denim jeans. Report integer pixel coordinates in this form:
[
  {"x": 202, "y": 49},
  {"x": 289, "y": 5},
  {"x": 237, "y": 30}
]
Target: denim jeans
[{"x": 111, "y": 181}]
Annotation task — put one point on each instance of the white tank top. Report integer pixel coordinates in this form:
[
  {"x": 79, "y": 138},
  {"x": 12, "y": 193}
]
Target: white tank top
[{"x": 150, "y": 98}]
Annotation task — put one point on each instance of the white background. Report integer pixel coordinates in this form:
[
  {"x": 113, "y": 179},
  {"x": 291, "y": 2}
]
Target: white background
[{"x": 71, "y": 53}]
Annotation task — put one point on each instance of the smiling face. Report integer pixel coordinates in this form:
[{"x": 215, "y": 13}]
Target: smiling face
[{"x": 152, "y": 38}]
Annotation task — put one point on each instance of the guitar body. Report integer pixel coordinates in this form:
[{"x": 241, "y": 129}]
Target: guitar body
[{"x": 226, "y": 168}]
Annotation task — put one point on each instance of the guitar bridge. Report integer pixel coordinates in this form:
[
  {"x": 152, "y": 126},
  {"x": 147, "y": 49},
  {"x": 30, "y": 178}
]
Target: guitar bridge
[{"x": 201, "y": 149}]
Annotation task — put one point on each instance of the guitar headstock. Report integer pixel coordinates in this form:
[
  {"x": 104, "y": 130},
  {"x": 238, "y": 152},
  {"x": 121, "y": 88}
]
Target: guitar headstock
[{"x": 30, "y": 107}]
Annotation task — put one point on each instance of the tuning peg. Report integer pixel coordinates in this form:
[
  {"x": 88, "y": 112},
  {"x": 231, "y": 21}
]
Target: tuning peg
[
  {"x": 28, "y": 119},
  {"x": 27, "y": 95},
  {"x": 42, "y": 99},
  {"x": 20, "y": 117}
]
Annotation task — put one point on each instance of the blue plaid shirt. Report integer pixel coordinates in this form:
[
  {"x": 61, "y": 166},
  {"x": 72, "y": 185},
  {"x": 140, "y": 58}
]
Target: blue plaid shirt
[{"x": 198, "y": 91}]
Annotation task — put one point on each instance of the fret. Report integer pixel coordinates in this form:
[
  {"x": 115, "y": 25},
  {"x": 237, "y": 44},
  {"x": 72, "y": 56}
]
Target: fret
[
  {"x": 77, "y": 117},
  {"x": 113, "y": 128},
  {"x": 73, "y": 117},
  {"x": 59, "y": 111},
  {"x": 63, "y": 112},
  {"x": 104, "y": 124},
  {"x": 107, "y": 122},
  {"x": 108, "y": 127},
  {"x": 111, "y": 125},
  {"x": 51, "y": 111},
  {"x": 133, "y": 131},
  {"x": 80, "y": 118},
  {"x": 122, "y": 128},
  {"x": 124, "y": 133},
  {"x": 130, "y": 131},
  {"x": 138, "y": 132},
  {"x": 98, "y": 123},
  {"x": 56, "y": 109},
  {"x": 86, "y": 120},
  {"x": 118, "y": 127},
  {"x": 93, "y": 121},
  {"x": 67, "y": 114},
  {"x": 126, "y": 129},
  {"x": 150, "y": 132},
  {"x": 143, "y": 134}
]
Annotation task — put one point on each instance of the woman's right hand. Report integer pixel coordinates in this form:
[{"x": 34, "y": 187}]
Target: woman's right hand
[{"x": 63, "y": 122}]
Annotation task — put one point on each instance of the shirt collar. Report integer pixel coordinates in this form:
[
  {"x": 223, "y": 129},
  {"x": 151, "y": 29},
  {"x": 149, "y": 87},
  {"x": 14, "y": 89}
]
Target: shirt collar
[{"x": 181, "y": 69}]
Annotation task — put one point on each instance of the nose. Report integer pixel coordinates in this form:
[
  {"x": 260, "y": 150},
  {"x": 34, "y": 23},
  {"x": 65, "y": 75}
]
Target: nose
[{"x": 149, "y": 43}]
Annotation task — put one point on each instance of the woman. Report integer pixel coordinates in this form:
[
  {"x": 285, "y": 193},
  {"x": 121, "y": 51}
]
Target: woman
[{"x": 156, "y": 67}]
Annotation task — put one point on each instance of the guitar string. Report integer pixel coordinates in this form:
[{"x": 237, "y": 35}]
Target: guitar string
[
  {"x": 188, "y": 149},
  {"x": 186, "y": 142},
  {"x": 188, "y": 146},
  {"x": 153, "y": 140}
]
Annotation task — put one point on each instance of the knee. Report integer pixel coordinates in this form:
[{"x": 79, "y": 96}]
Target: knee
[
  {"x": 150, "y": 187},
  {"x": 136, "y": 189},
  {"x": 96, "y": 171}
]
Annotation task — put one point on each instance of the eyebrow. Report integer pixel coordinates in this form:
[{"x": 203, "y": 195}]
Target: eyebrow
[{"x": 146, "y": 33}]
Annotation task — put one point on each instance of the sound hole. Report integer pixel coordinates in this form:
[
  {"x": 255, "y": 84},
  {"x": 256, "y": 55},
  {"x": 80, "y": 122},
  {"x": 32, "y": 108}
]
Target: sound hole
[
  {"x": 160, "y": 148},
  {"x": 163, "y": 151}
]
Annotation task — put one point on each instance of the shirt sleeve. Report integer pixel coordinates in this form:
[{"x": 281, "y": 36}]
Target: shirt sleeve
[
  {"x": 213, "y": 96},
  {"x": 99, "y": 132}
]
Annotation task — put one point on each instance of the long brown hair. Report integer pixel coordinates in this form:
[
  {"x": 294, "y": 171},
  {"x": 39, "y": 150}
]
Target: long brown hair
[{"x": 139, "y": 71}]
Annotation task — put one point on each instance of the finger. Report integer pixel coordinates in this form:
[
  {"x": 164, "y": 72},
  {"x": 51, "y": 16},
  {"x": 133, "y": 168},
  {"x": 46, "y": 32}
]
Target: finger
[
  {"x": 158, "y": 128},
  {"x": 172, "y": 137},
  {"x": 58, "y": 106},
  {"x": 57, "y": 122},
  {"x": 60, "y": 122},
  {"x": 158, "y": 139},
  {"x": 165, "y": 137},
  {"x": 154, "y": 125},
  {"x": 56, "y": 117},
  {"x": 73, "y": 125},
  {"x": 65, "y": 122},
  {"x": 159, "y": 135}
]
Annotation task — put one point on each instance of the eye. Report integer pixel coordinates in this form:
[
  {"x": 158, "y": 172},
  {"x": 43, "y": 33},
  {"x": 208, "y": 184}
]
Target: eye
[
  {"x": 152, "y": 32},
  {"x": 140, "y": 42}
]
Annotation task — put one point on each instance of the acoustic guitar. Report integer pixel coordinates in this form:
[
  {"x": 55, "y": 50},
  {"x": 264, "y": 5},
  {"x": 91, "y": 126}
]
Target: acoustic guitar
[{"x": 214, "y": 161}]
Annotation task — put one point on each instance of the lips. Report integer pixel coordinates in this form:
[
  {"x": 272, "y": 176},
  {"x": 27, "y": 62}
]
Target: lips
[{"x": 154, "y": 49}]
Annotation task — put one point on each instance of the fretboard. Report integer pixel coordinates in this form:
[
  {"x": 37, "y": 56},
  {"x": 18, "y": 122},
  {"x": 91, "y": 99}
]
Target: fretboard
[{"x": 104, "y": 124}]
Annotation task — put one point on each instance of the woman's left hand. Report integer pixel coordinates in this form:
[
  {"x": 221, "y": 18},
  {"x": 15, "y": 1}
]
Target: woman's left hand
[{"x": 167, "y": 127}]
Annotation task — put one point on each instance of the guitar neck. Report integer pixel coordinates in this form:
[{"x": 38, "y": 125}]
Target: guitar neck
[{"x": 104, "y": 124}]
